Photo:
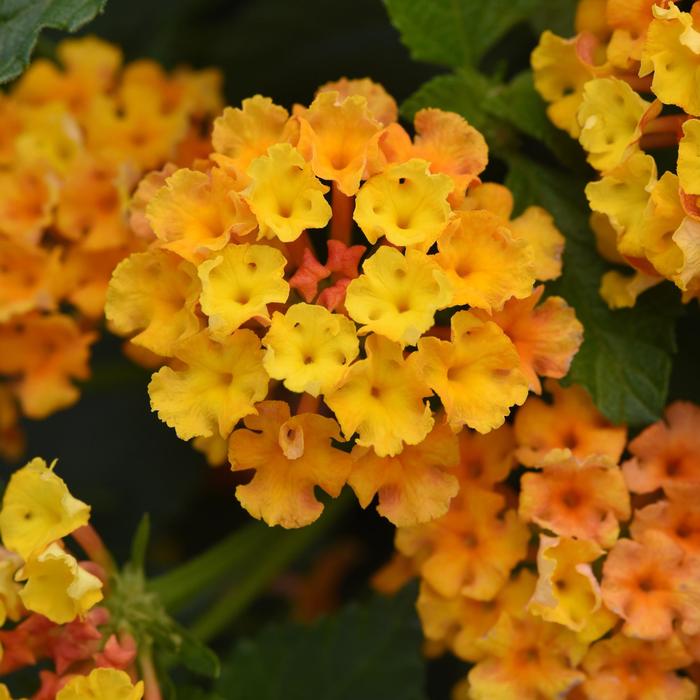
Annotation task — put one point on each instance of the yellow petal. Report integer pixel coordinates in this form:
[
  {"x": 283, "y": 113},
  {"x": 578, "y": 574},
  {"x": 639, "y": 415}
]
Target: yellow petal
[
  {"x": 38, "y": 509},
  {"x": 381, "y": 398},
  {"x": 397, "y": 295},
  {"x": 238, "y": 284},
  {"x": 406, "y": 203},
  {"x": 310, "y": 348},
  {"x": 220, "y": 383}
]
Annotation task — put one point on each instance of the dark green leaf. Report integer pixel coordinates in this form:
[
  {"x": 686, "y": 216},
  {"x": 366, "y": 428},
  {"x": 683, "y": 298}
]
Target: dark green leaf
[
  {"x": 22, "y": 20},
  {"x": 519, "y": 104},
  {"x": 455, "y": 33},
  {"x": 177, "y": 645},
  {"x": 625, "y": 360},
  {"x": 370, "y": 652},
  {"x": 555, "y": 15},
  {"x": 189, "y": 692}
]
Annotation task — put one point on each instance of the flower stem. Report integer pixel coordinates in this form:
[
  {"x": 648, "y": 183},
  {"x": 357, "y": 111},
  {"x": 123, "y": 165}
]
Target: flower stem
[
  {"x": 341, "y": 223},
  {"x": 149, "y": 676},
  {"x": 270, "y": 562},
  {"x": 91, "y": 543},
  {"x": 231, "y": 554}
]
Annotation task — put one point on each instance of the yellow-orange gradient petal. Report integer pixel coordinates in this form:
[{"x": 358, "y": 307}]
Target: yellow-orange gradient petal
[
  {"x": 583, "y": 499},
  {"x": 291, "y": 455},
  {"x": 546, "y": 336},
  {"x": 476, "y": 374},
  {"x": 413, "y": 487}
]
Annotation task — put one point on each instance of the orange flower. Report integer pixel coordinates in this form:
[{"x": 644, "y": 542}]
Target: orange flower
[
  {"x": 621, "y": 668},
  {"x": 460, "y": 622},
  {"x": 652, "y": 584},
  {"x": 666, "y": 452},
  {"x": 412, "y": 487},
  {"x": 27, "y": 279},
  {"x": 337, "y": 138},
  {"x": 472, "y": 549},
  {"x": 11, "y": 436},
  {"x": 526, "y": 659},
  {"x": 678, "y": 518},
  {"x": 245, "y": 133},
  {"x": 484, "y": 460},
  {"x": 197, "y": 213},
  {"x": 27, "y": 198},
  {"x": 581, "y": 499},
  {"x": 381, "y": 105},
  {"x": 546, "y": 337},
  {"x": 571, "y": 421},
  {"x": 92, "y": 204},
  {"x": 476, "y": 374},
  {"x": 43, "y": 353},
  {"x": 291, "y": 456}
]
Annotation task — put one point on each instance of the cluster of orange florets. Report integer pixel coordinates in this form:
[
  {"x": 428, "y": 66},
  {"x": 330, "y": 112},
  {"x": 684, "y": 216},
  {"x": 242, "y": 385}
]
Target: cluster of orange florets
[
  {"x": 74, "y": 141},
  {"x": 326, "y": 278},
  {"x": 566, "y": 576},
  {"x": 593, "y": 83}
]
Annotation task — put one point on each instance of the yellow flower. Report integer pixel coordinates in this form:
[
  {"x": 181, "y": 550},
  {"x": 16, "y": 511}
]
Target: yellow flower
[
  {"x": 689, "y": 157},
  {"x": 567, "y": 592},
  {"x": 219, "y": 384},
  {"x": 57, "y": 587},
  {"x": 485, "y": 263},
  {"x": 406, "y": 203},
  {"x": 413, "y": 487},
  {"x": 38, "y": 509},
  {"x": 397, "y": 295},
  {"x": 560, "y": 75},
  {"x": 154, "y": 293},
  {"x": 536, "y": 226},
  {"x": 623, "y": 195},
  {"x": 239, "y": 283},
  {"x": 10, "y": 603},
  {"x": 337, "y": 137},
  {"x": 285, "y": 195},
  {"x": 101, "y": 684},
  {"x": 4, "y": 692},
  {"x": 672, "y": 53},
  {"x": 196, "y": 213},
  {"x": 291, "y": 456},
  {"x": 620, "y": 291},
  {"x": 381, "y": 398},
  {"x": 310, "y": 348},
  {"x": 610, "y": 119},
  {"x": 243, "y": 134},
  {"x": 476, "y": 374}
]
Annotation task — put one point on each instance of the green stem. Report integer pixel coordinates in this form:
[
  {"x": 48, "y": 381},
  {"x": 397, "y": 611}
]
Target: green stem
[
  {"x": 212, "y": 566},
  {"x": 288, "y": 545}
]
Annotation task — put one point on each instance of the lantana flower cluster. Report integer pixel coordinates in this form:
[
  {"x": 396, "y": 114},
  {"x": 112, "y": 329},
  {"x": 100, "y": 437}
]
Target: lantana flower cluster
[
  {"x": 559, "y": 572},
  {"x": 52, "y": 608},
  {"x": 626, "y": 85},
  {"x": 335, "y": 301},
  {"x": 75, "y": 138}
]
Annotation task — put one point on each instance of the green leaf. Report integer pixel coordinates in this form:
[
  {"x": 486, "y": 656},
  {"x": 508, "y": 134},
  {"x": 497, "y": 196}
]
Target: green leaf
[
  {"x": 22, "y": 20},
  {"x": 520, "y": 105},
  {"x": 175, "y": 643},
  {"x": 555, "y": 15},
  {"x": 625, "y": 359},
  {"x": 455, "y": 33},
  {"x": 371, "y": 652}
]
